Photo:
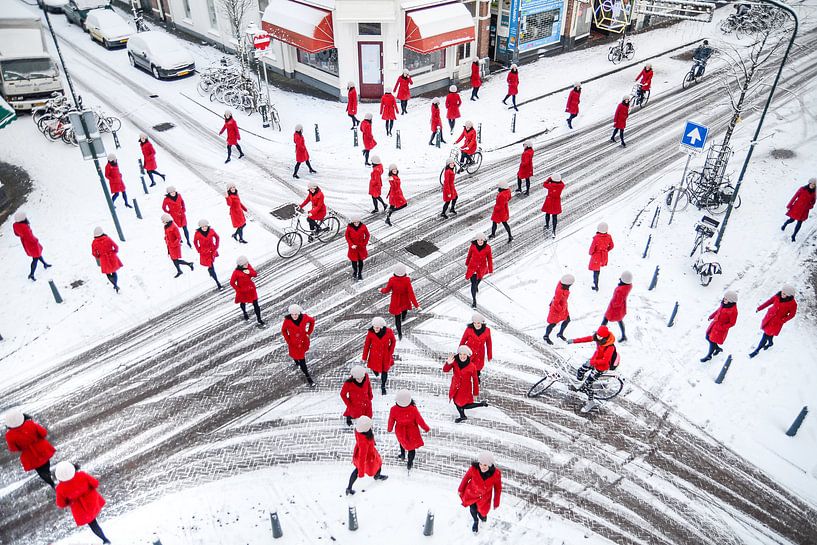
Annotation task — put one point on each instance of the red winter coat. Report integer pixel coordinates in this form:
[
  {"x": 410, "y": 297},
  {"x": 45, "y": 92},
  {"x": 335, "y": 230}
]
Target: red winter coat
[
  {"x": 148, "y": 155},
  {"x": 604, "y": 354},
  {"x": 558, "y": 310},
  {"x": 104, "y": 249},
  {"x": 317, "y": 209},
  {"x": 406, "y": 423},
  {"x": 366, "y": 130},
  {"x": 378, "y": 349},
  {"x": 645, "y": 76},
  {"x": 573, "y": 99},
  {"x": 351, "y": 105},
  {"x": 29, "y": 440},
  {"x": 620, "y": 118},
  {"x": 513, "y": 82},
  {"x": 469, "y": 137},
  {"x": 388, "y": 107},
  {"x": 436, "y": 121},
  {"x": 479, "y": 261},
  {"x": 358, "y": 237},
  {"x": 553, "y": 201},
  {"x": 80, "y": 493},
  {"x": 526, "y": 164},
  {"x": 233, "y": 136},
  {"x": 296, "y": 334},
  {"x": 452, "y": 105},
  {"x": 476, "y": 489},
  {"x": 376, "y": 181},
  {"x": 206, "y": 245},
  {"x": 402, "y": 87},
  {"x": 114, "y": 177},
  {"x": 480, "y": 343},
  {"x": 365, "y": 457},
  {"x": 242, "y": 283},
  {"x": 176, "y": 208},
  {"x": 599, "y": 248},
  {"x": 301, "y": 155},
  {"x": 801, "y": 204},
  {"x": 722, "y": 321},
  {"x": 449, "y": 190},
  {"x": 395, "y": 196},
  {"x": 464, "y": 383},
  {"x": 402, "y": 294},
  {"x": 237, "y": 209},
  {"x": 617, "y": 309},
  {"x": 476, "y": 80},
  {"x": 502, "y": 211},
  {"x": 173, "y": 241},
  {"x": 31, "y": 245},
  {"x": 357, "y": 396},
  {"x": 783, "y": 309}
]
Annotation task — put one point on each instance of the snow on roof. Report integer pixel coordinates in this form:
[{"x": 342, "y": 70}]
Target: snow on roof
[
  {"x": 328, "y": 4},
  {"x": 415, "y": 4},
  {"x": 155, "y": 39},
  {"x": 293, "y": 16},
  {"x": 91, "y": 4},
  {"x": 20, "y": 42},
  {"x": 107, "y": 17},
  {"x": 441, "y": 19},
  {"x": 12, "y": 9}
]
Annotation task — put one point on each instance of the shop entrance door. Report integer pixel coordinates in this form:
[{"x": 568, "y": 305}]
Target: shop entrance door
[{"x": 370, "y": 60}]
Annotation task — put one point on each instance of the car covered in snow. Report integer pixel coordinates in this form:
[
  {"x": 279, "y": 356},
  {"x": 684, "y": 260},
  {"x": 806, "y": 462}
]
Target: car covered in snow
[
  {"x": 160, "y": 54},
  {"x": 77, "y": 10},
  {"x": 108, "y": 28},
  {"x": 53, "y": 6}
]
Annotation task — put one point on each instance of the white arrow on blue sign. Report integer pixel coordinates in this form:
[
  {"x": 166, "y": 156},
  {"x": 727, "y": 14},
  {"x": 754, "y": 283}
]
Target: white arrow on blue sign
[{"x": 694, "y": 136}]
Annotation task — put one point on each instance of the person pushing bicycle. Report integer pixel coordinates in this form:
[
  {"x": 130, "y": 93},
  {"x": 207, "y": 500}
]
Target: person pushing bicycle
[
  {"x": 469, "y": 146},
  {"x": 701, "y": 57},
  {"x": 605, "y": 358}
]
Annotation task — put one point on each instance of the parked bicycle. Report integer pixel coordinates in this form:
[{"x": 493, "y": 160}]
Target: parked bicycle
[
  {"x": 293, "y": 239},
  {"x": 705, "y": 266},
  {"x": 470, "y": 165},
  {"x": 624, "y": 49},
  {"x": 607, "y": 386},
  {"x": 640, "y": 96},
  {"x": 715, "y": 198}
]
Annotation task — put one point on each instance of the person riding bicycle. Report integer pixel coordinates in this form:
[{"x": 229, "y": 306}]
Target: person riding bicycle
[
  {"x": 644, "y": 78},
  {"x": 469, "y": 146},
  {"x": 701, "y": 56},
  {"x": 317, "y": 212},
  {"x": 603, "y": 359}
]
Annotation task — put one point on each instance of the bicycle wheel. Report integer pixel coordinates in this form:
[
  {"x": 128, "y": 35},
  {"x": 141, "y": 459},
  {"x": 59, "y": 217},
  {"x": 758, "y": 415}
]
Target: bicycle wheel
[
  {"x": 473, "y": 167},
  {"x": 276, "y": 121},
  {"x": 610, "y": 54},
  {"x": 616, "y": 56},
  {"x": 607, "y": 387},
  {"x": 328, "y": 229},
  {"x": 114, "y": 124},
  {"x": 69, "y": 137},
  {"x": 539, "y": 388},
  {"x": 44, "y": 121},
  {"x": 689, "y": 79},
  {"x": 203, "y": 86},
  {"x": 53, "y": 133},
  {"x": 645, "y": 97},
  {"x": 629, "y": 53},
  {"x": 289, "y": 244},
  {"x": 677, "y": 194}
]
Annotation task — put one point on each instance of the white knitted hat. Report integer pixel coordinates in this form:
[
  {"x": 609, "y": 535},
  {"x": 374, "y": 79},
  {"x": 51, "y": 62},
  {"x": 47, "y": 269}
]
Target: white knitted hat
[
  {"x": 14, "y": 418},
  {"x": 98, "y": 232},
  {"x": 65, "y": 471},
  {"x": 378, "y": 321},
  {"x": 363, "y": 424},
  {"x": 403, "y": 398},
  {"x": 486, "y": 458},
  {"x": 295, "y": 309},
  {"x": 358, "y": 372}
]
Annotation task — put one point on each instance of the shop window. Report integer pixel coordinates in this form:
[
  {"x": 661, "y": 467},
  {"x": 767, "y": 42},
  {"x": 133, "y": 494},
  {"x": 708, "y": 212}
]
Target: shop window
[
  {"x": 325, "y": 61},
  {"x": 368, "y": 29},
  {"x": 463, "y": 52},
  {"x": 417, "y": 63},
  {"x": 211, "y": 11},
  {"x": 262, "y": 6},
  {"x": 186, "y": 8},
  {"x": 539, "y": 26}
]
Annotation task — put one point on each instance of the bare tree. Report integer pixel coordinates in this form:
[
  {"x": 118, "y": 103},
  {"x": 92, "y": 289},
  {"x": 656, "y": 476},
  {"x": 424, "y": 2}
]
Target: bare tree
[{"x": 236, "y": 11}]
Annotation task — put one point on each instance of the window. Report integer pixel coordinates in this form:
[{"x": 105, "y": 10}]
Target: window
[
  {"x": 368, "y": 29},
  {"x": 417, "y": 63},
  {"x": 463, "y": 52},
  {"x": 186, "y": 8},
  {"x": 539, "y": 26},
  {"x": 325, "y": 61},
  {"x": 262, "y": 6},
  {"x": 211, "y": 11}
]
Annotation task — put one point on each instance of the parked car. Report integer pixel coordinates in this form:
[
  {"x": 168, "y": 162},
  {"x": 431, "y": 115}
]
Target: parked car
[
  {"x": 53, "y": 6},
  {"x": 77, "y": 10},
  {"x": 160, "y": 54},
  {"x": 108, "y": 28}
]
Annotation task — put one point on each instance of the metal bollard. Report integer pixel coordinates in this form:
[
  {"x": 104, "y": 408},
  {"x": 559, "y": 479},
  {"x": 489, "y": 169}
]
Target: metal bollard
[
  {"x": 136, "y": 209},
  {"x": 654, "y": 222},
  {"x": 479, "y": 133},
  {"x": 654, "y": 281},
  {"x": 352, "y": 518},
  {"x": 317, "y": 134},
  {"x": 428, "y": 530},
  {"x": 513, "y": 123},
  {"x": 157, "y": 542},
  {"x": 724, "y": 369},
  {"x": 355, "y": 134},
  {"x": 141, "y": 166},
  {"x": 439, "y": 137},
  {"x": 144, "y": 185},
  {"x": 116, "y": 140},
  {"x": 55, "y": 292},
  {"x": 792, "y": 431},
  {"x": 672, "y": 316},
  {"x": 276, "y": 525},
  {"x": 397, "y": 140},
  {"x": 647, "y": 247}
]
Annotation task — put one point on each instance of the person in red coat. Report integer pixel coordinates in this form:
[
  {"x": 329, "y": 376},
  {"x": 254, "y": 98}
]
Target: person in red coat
[
  {"x": 449, "y": 190},
  {"x": 401, "y": 87},
  {"x": 317, "y": 207},
  {"x": 476, "y": 79},
  {"x": 356, "y": 394},
  {"x": 237, "y": 210},
  {"x": 620, "y": 119},
  {"x": 296, "y": 330},
  {"x": 452, "y": 107},
  {"x": 365, "y": 457},
  {"x": 644, "y": 81},
  {"x": 478, "y": 263},
  {"x": 402, "y": 297},
  {"x": 173, "y": 204},
  {"x": 525, "y": 171},
  {"x": 464, "y": 383},
  {"x": 368, "y": 140},
  {"x": 104, "y": 249},
  {"x": 149, "y": 158},
  {"x": 207, "y": 241},
  {"x": 552, "y": 206},
  {"x": 301, "y": 155},
  {"x": 477, "y": 337},
  {"x": 351, "y": 104},
  {"x": 603, "y": 359},
  {"x": 502, "y": 210},
  {"x": 357, "y": 238},
  {"x": 29, "y": 439},
  {"x": 31, "y": 245},
  {"x": 114, "y": 177},
  {"x": 244, "y": 286},
  {"x": 388, "y": 111},
  {"x": 77, "y": 489},
  {"x": 436, "y": 122},
  {"x": 799, "y": 207},
  {"x": 558, "y": 309},
  {"x": 513, "y": 86},
  {"x": 573, "y": 99},
  {"x": 599, "y": 249},
  {"x": 376, "y": 184},
  {"x": 722, "y": 320},
  {"x": 617, "y": 309},
  {"x": 480, "y": 487},
  {"x": 396, "y": 199},
  {"x": 378, "y": 350},
  {"x": 469, "y": 144},
  {"x": 173, "y": 241},
  {"x": 783, "y": 308},
  {"x": 406, "y": 421},
  {"x": 233, "y": 136}
]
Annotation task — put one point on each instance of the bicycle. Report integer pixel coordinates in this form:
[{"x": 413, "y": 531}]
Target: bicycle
[
  {"x": 705, "y": 266},
  {"x": 274, "y": 118},
  {"x": 292, "y": 240},
  {"x": 471, "y": 166},
  {"x": 607, "y": 386},
  {"x": 714, "y": 198},
  {"x": 695, "y": 73},
  {"x": 639, "y": 96},
  {"x": 624, "y": 49}
]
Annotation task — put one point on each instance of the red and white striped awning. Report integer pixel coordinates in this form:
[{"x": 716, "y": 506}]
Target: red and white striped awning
[
  {"x": 303, "y": 26},
  {"x": 438, "y": 27}
]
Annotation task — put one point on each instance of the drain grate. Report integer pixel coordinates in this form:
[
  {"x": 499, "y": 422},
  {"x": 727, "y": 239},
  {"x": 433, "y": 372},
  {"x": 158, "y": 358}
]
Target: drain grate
[
  {"x": 76, "y": 283},
  {"x": 161, "y": 127},
  {"x": 782, "y": 153},
  {"x": 422, "y": 248},
  {"x": 154, "y": 96},
  {"x": 286, "y": 212}
]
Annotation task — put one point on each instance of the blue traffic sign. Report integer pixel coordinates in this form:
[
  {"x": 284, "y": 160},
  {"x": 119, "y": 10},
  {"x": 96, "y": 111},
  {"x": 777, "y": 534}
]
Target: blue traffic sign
[{"x": 694, "y": 136}]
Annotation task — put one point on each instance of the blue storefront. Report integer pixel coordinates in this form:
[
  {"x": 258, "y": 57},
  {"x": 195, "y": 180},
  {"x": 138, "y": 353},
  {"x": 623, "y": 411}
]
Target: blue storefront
[{"x": 526, "y": 27}]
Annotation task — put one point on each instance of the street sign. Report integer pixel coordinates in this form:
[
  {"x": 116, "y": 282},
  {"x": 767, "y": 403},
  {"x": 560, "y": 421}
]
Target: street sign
[
  {"x": 261, "y": 40},
  {"x": 694, "y": 137},
  {"x": 90, "y": 142}
]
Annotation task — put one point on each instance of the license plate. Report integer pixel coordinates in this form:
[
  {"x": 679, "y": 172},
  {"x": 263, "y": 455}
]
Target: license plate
[
  {"x": 183, "y": 73},
  {"x": 35, "y": 104},
  {"x": 123, "y": 41}
]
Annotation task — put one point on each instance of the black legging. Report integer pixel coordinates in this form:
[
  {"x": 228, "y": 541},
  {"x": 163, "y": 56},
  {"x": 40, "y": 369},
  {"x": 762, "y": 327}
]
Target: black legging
[
  {"x": 255, "y": 307},
  {"x": 230, "y": 151},
  {"x": 766, "y": 342},
  {"x": 313, "y": 224},
  {"x": 298, "y": 166},
  {"x": 714, "y": 349},
  {"x": 451, "y": 123},
  {"x": 113, "y": 278},
  {"x": 392, "y": 210},
  {"x": 389, "y": 126},
  {"x": 357, "y": 269},
  {"x": 124, "y": 198},
  {"x": 513, "y": 100},
  {"x": 34, "y": 262},
  {"x": 239, "y": 234},
  {"x": 621, "y": 131},
  {"x": 474, "y": 93},
  {"x": 562, "y": 328},
  {"x": 156, "y": 172},
  {"x": 178, "y": 262},
  {"x": 548, "y": 218},
  {"x": 519, "y": 185},
  {"x": 434, "y": 135},
  {"x": 596, "y": 280},
  {"x": 398, "y": 323},
  {"x": 354, "y": 475},
  {"x": 587, "y": 387},
  {"x": 302, "y": 364},
  {"x": 604, "y": 321},
  {"x": 411, "y": 453},
  {"x": 384, "y": 376},
  {"x": 475, "y": 287},
  {"x": 475, "y": 514},
  {"x": 570, "y": 120},
  {"x": 44, "y": 471},
  {"x": 452, "y": 203},
  {"x": 355, "y": 121},
  {"x": 211, "y": 270},
  {"x": 366, "y": 157},
  {"x": 186, "y": 235},
  {"x": 796, "y": 227},
  {"x": 403, "y": 107},
  {"x": 94, "y": 526},
  {"x": 376, "y": 200},
  {"x": 461, "y": 408},
  {"x": 505, "y": 225}
]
